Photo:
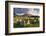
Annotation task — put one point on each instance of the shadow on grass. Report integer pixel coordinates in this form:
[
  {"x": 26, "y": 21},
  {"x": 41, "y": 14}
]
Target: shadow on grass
[{"x": 25, "y": 25}]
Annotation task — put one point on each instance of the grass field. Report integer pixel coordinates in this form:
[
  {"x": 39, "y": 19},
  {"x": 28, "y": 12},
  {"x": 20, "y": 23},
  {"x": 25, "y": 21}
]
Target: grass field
[
  {"x": 26, "y": 25},
  {"x": 17, "y": 25}
]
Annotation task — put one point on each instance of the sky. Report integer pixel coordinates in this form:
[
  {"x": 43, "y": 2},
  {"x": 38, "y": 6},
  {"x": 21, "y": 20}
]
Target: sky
[{"x": 22, "y": 11}]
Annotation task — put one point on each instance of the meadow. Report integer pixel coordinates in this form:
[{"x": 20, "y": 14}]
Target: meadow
[{"x": 22, "y": 22}]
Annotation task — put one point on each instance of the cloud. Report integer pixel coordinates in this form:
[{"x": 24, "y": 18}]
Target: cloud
[{"x": 22, "y": 11}]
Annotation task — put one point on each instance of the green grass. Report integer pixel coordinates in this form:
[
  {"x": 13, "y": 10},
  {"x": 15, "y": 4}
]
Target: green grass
[
  {"x": 31, "y": 25},
  {"x": 16, "y": 25},
  {"x": 25, "y": 25}
]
